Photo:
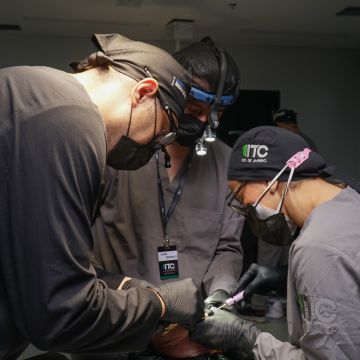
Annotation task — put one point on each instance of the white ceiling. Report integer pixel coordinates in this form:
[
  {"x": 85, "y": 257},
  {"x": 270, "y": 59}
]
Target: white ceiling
[{"x": 265, "y": 22}]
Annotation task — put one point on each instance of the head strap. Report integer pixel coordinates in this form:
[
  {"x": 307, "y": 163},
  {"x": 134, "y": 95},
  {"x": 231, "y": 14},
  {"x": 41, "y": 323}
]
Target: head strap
[
  {"x": 220, "y": 55},
  {"x": 294, "y": 162}
]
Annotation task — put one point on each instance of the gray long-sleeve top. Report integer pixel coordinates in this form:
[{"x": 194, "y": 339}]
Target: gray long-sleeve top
[
  {"x": 323, "y": 287},
  {"x": 128, "y": 228},
  {"x": 52, "y": 158}
]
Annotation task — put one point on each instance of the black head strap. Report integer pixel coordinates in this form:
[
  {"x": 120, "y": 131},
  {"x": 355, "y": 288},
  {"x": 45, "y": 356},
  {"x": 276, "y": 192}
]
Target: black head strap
[{"x": 220, "y": 55}]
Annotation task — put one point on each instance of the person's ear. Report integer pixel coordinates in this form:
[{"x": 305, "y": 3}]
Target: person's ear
[{"x": 143, "y": 89}]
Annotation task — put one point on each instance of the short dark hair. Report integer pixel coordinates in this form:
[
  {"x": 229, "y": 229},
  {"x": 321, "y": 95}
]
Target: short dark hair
[
  {"x": 202, "y": 62},
  {"x": 285, "y": 116}
]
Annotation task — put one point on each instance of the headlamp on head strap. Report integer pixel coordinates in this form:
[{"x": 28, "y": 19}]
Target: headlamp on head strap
[
  {"x": 208, "y": 136},
  {"x": 201, "y": 148},
  {"x": 216, "y": 100},
  {"x": 216, "y": 103}
]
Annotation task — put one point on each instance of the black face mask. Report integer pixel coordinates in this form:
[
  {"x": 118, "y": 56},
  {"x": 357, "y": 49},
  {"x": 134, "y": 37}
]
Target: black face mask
[
  {"x": 274, "y": 229},
  {"x": 127, "y": 154},
  {"x": 190, "y": 129}
]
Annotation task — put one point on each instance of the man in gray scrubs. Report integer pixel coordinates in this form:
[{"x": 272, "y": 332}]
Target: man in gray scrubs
[
  {"x": 202, "y": 231},
  {"x": 181, "y": 208},
  {"x": 57, "y": 132},
  {"x": 324, "y": 260}
]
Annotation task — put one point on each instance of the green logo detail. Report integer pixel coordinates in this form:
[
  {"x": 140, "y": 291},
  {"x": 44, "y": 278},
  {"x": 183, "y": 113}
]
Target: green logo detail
[
  {"x": 300, "y": 301},
  {"x": 244, "y": 150}
]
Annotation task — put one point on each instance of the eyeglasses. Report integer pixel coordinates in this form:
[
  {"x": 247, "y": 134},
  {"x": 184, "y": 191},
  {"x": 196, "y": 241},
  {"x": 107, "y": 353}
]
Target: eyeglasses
[
  {"x": 164, "y": 139},
  {"x": 241, "y": 208}
]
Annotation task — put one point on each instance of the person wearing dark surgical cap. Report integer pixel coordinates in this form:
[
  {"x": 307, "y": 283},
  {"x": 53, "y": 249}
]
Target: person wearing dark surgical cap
[
  {"x": 278, "y": 184},
  {"x": 287, "y": 119},
  {"x": 57, "y": 133},
  {"x": 182, "y": 208}
]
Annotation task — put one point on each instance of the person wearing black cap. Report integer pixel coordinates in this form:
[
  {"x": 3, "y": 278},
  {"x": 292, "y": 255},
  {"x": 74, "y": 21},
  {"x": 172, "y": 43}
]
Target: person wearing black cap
[
  {"x": 201, "y": 230},
  {"x": 279, "y": 183},
  {"x": 57, "y": 132},
  {"x": 268, "y": 276},
  {"x": 287, "y": 119}
]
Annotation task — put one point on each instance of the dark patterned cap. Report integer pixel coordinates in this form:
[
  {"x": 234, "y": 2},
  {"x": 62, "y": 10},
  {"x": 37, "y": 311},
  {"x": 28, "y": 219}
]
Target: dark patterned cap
[{"x": 139, "y": 60}]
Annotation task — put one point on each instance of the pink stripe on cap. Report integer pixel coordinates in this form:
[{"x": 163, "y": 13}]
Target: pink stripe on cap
[{"x": 296, "y": 160}]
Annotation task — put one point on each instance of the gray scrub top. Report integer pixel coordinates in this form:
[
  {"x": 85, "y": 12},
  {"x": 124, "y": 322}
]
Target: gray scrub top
[
  {"x": 128, "y": 229},
  {"x": 52, "y": 158},
  {"x": 323, "y": 286}
]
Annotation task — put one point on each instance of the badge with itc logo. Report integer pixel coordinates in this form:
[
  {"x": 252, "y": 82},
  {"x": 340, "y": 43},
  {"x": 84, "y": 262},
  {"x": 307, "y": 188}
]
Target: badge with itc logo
[{"x": 168, "y": 262}]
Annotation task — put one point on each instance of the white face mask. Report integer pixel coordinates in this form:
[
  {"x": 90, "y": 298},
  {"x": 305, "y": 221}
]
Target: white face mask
[{"x": 263, "y": 212}]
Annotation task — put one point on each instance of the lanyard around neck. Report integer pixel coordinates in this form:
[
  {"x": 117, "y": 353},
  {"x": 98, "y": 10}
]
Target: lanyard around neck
[{"x": 165, "y": 215}]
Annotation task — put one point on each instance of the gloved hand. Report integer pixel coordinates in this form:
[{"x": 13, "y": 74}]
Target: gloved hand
[
  {"x": 183, "y": 302},
  {"x": 216, "y": 299},
  {"x": 226, "y": 332},
  {"x": 263, "y": 280},
  {"x": 132, "y": 282}
]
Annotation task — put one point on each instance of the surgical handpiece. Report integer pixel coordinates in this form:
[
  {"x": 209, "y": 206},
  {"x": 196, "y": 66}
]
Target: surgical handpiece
[{"x": 232, "y": 300}]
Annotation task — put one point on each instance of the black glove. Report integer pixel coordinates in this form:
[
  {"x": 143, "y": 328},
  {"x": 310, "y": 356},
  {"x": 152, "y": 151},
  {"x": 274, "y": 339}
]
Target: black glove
[
  {"x": 216, "y": 299},
  {"x": 183, "y": 301},
  {"x": 226, "y": 332},
  {"x": 131, "y": 283},
  {"x": 263, "y": 280}
]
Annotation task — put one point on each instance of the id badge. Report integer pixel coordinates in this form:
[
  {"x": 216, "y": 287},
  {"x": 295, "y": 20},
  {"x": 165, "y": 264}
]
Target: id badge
[{"x": 168, "y": 262}]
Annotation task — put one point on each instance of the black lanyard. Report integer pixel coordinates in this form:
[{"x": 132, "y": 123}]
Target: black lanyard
[{"x": 165, "y": 216}]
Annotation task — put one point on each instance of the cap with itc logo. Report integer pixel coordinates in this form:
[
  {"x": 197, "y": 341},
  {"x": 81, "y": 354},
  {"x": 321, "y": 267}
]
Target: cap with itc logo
[{"x": 260, "y": 153}]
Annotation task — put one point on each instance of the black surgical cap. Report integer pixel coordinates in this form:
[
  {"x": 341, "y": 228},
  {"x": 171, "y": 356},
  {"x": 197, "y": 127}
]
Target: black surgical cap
[
  {"x": 132, "y": 57},
  {"x": 260, "y": 153}
]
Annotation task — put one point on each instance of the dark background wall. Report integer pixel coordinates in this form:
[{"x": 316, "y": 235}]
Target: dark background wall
[{"x": 321, "y": 85}]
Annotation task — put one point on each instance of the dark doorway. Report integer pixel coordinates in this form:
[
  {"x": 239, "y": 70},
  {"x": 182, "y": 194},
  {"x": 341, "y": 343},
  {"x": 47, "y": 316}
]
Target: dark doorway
[{"x": 253, "y": 108}]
